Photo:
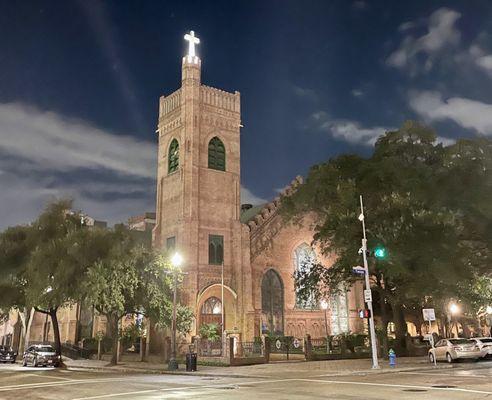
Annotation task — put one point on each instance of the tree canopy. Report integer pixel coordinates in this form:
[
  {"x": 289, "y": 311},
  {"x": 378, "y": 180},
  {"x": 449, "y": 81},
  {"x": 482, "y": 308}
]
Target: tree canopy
[{"x": 428, "y": 205}]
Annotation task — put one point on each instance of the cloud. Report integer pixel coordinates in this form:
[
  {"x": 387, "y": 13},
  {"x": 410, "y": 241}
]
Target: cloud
[
  {"x": 353, "y": 132},
  {"x": 247, "y": 197},
  {"x": 468, "y": 113},
  {"x": 441, "y": 35},
  {"x": 347, "y": 130},
  {"x": 44, "y": 156},
  {"x": 54, "y": 142},
  {"x": 357, "y": 93},
  {"x": 359, "y": 5},
  {"x": 305, "y": 93},
  {"x": 445, "y": 141}
]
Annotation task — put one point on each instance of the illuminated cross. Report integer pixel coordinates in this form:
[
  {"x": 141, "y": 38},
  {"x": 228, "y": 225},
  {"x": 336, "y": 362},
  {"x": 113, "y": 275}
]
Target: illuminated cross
[{"x": 192, "y": 39}]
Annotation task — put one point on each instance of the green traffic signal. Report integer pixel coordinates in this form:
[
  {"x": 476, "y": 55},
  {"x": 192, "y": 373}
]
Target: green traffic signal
[{"x": 380, "y": 252}]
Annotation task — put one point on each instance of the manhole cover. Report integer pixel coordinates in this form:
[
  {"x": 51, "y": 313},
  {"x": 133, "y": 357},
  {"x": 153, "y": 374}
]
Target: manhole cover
[
  {"x": 414, "y": 390},
  {"x": 443, "y": 386}
]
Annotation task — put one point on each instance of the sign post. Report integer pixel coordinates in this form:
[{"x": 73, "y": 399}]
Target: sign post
[{"x": 429, "y": 315}]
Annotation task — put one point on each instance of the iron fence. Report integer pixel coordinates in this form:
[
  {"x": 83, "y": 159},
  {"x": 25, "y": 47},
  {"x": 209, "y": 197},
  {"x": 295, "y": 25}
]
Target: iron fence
[
  {"x": 209, "y": 348},
  {"x": 250, "y": 349}
]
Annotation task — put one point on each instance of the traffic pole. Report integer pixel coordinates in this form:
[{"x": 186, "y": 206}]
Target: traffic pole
[{"x": 368, "y": 299}]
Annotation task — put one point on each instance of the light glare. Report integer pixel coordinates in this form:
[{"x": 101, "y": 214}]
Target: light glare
[{"x": 177, "y": 260}]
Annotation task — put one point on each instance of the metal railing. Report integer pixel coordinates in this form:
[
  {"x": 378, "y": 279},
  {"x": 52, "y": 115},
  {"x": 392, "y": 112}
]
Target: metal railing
[{"x": 250, "y": 349}]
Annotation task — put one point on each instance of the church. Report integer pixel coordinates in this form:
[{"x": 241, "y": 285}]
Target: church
[{"x": 239, "y": 260}]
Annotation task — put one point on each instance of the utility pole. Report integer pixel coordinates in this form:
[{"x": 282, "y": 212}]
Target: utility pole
[{"x": 367, "y": 291}]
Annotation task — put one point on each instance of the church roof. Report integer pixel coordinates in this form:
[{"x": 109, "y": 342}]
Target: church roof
[
  {"x": 256, "y": 216},
  {"x": 250, "y": 213}
]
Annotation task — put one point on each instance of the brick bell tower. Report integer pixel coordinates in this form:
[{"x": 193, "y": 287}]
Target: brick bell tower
[{"x": 198, "y": 192}]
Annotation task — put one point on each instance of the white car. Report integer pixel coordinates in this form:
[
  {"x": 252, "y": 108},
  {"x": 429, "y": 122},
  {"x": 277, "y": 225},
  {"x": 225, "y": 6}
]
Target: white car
[
  {"x": 485, "y": 345},
  {"x": 453, "y": 349}
]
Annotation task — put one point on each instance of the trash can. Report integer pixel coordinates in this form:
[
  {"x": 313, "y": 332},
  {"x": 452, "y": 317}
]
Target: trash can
[{"x": 191, "y": 362}]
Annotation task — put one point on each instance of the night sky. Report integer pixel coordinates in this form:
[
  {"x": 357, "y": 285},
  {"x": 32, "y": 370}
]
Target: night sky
[{"x": 80, "y": 82}]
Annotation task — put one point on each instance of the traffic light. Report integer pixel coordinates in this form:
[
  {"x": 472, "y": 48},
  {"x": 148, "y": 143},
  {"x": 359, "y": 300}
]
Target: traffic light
[
  {"x": 380, "y": 252},
  {"x": 365, "y": 313}
]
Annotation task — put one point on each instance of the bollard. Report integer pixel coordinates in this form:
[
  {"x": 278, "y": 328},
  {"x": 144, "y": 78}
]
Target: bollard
[{"x": 392, "y": 358}]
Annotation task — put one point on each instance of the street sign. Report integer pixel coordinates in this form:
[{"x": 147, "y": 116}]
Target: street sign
[
  {"x": 358, "y": 270},
  {"x": 367, "y": 295},
  {"x": 278, "y": 344},
  {"x": 296, "y": 343},
  {"x": 429, "y": 314}
]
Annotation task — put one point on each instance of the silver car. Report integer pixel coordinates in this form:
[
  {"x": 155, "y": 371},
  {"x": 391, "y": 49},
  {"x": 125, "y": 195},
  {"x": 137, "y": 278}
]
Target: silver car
[
  {"x": 485, "y": 345},
  {"x": 41, "y": 355},
  {"x": 454, "y": 349}
]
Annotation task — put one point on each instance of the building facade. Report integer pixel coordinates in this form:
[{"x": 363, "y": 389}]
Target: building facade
[{"x": 250, "y": 249}]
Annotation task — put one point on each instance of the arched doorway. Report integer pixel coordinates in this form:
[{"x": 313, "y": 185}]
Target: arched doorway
[
  {"x": 211, "y": 312},
  {"x": 272, "y": 302}
]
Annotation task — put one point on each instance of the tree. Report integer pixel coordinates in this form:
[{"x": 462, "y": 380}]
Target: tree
[
  {"x": 131, "y": 279},
  {"x": 54, "y": 263},
  {"x": 414, "y": 208},
  {"x": 15, "y": 247}
]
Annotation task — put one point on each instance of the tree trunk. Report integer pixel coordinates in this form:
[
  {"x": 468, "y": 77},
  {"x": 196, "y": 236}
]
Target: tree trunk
[
  {"x": 26, "y": 327},
  {"x": 147, "y": 341},
  {"x": 400, "y": 328},
  {"x": 384, "y": 322},
  {"x": 113, "y": 322},
  {"x": 56, "y": 332}
]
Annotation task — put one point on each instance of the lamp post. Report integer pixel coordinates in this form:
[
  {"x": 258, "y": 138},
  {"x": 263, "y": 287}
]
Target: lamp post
[
  {"x": 176, "y": 262},
  {"x": 324, "y": 307},
  {"x": 454, "y": 309}
]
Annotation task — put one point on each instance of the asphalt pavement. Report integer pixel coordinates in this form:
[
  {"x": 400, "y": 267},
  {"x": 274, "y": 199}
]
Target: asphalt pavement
[{"x": 463, "y": 381}]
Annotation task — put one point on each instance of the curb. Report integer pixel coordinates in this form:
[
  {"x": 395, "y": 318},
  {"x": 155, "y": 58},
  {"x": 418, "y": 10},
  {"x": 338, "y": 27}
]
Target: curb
[{"x": 124, "y": 370}]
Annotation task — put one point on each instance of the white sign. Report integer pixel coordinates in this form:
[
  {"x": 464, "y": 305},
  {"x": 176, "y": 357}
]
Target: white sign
[
  {"x": 278, "y": 344},
  {"x": 367, "y": 295},
  {"x": 296, "y": 343},
  {"x": 358, "y": 270},
  {"x": 429, "y": 314}
]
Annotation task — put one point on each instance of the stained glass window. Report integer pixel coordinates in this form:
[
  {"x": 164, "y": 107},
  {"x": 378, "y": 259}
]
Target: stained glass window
[
  {"x": 216, "y": 154},
  {"x": 304, "y": 259},
  {"x": 173, "y": 156},
  {"x": 339, "y": 313},
  {"x": 212, "y": 306}
]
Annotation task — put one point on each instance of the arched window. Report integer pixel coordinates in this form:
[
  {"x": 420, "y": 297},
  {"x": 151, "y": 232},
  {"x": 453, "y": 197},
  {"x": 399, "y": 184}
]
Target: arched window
[
  {"x": 339, "y": 312},
  {"x": 173, "y": 156},
  {"x": 216, "y": 154},
  {"x": 211, "y": 312},
  {"x": 212, "y": 306},
  {"x": 304, "y": 259},
  {"x": 272, "y": 303}
]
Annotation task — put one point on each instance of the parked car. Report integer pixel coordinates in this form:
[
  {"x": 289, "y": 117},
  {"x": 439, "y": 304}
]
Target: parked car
[
  {"x": 7, "y": 354},
  {"x": 41, "y": 354},
  {"x": 485, "y": 345},
  {"x": 454, "y": 349}
]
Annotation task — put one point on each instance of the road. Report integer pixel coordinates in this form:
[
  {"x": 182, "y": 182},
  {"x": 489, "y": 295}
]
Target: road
[{"x": 466, "y": 381}]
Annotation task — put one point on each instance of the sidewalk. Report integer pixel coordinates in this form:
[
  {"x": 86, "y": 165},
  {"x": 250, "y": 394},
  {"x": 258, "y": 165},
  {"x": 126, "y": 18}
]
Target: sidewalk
[{"x": 299, "y": 368}]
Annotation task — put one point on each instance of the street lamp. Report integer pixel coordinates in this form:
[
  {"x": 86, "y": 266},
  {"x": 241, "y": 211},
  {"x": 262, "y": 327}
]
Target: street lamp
[
  {"x": 176, "y": 261},
  {"x": 324, "y": 307},
  {"x": 454, "y": 309}
]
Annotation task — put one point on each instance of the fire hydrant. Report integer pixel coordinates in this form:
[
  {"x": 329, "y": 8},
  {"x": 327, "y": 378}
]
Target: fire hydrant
[{"x": 392, "y": 358}]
